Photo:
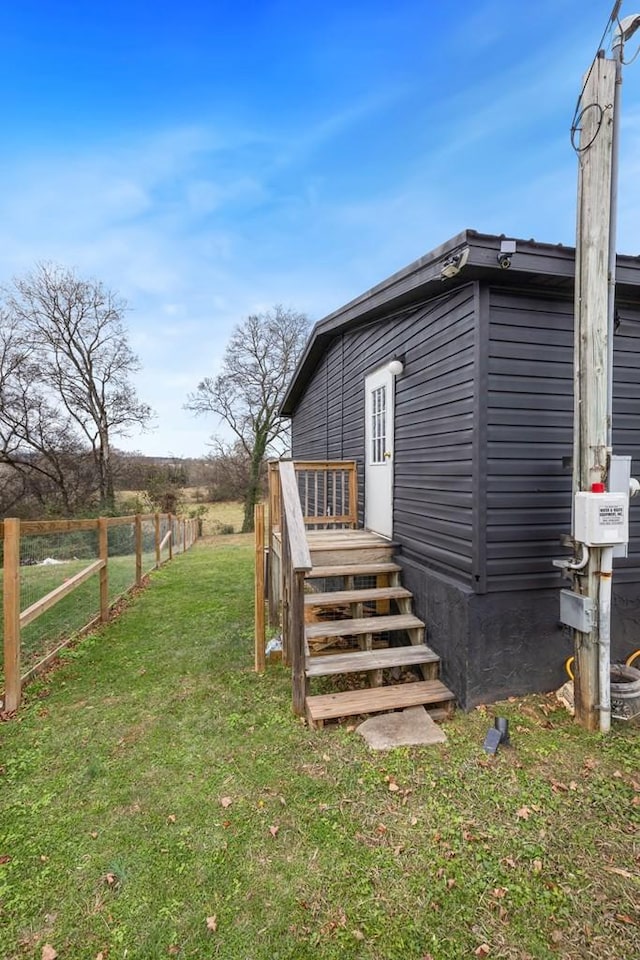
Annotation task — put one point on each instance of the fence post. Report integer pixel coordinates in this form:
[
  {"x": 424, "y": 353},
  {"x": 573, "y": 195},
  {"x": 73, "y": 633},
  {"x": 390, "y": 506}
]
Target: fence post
[
  {"x": 170, "y": 516},
  {"x": 11, "y": 601},
  {"x": 138, "y": 549},
  {"x": 258, "y": 513},
  {"x": 184, "y": 536},
  {"x": 156, "y": 520},
  {"x": 103, "y": 546},
  {"x": 353, "y": 495}
]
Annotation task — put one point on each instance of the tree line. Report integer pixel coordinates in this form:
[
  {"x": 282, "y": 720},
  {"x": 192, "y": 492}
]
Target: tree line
[{"x": 66, "y": 392}]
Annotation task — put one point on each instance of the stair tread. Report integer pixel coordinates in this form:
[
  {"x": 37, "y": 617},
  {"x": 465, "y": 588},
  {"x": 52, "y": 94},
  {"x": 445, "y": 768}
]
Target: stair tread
[
  {"x": 348, "y": 536},
  {"x": 340, "y": 597},
  {"x": 348, "y": 628},
  {"x": 377, "y": 699},
  {"x": 360, "y": 660},
  {"x": 353, "y": 569}
]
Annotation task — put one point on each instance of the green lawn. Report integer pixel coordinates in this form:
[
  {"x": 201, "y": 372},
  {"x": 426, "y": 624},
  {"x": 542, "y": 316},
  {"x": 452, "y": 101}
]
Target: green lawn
[
  {"x": 160, "y": 800},
  {"x": 75, "y": 610}
]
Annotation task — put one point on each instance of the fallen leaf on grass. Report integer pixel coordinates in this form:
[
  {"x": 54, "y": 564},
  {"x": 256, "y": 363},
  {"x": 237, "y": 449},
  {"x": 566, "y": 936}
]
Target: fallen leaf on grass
[
  {"x": 5, "y": 858},
  {"x": 273, "y": 830},
  {"x": 358, "y": 934},
  {"x": 48, "y": 953},
  {"x": 393, "y": 787},
  {"x": 171, "y": 818},
  {"x": 621, "y": 873},
  {"x": 558, "y": 787},
  {"x": 536, "y": 866},
  {"x": 212, "y": 923},
  {"x": 508, "y": 862},
  {"x": 225, "y": 802},
  {"x": 483, "y": 950},
  {"x": 110, "y": 879},
  {"x": 499, "y": 892},
  {"x": 523, "y": 813},
  {"x": 625, "y": 918}
]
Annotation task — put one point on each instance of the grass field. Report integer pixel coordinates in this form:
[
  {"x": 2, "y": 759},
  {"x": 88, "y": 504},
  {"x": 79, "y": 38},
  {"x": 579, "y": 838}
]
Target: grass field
[
  {"x": 215, "y": 516},
  {"x": 159, "y": 799},
  {"x": 219, "y": 516}
]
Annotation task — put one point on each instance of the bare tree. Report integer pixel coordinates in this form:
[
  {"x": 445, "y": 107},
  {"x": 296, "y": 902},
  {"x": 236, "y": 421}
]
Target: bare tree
[
  {"x": 31, "y": 450},
  {"x": 82, "y": 361},
  {"x": 258, "y": 362}
]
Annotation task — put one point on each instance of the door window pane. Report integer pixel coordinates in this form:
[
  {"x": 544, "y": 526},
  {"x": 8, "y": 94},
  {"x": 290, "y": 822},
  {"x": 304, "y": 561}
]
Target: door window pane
[{"x": 378, "y": 424}]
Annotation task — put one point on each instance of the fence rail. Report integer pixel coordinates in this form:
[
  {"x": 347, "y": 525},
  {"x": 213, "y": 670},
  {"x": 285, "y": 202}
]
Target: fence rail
[{"x": 49, "y": 573}]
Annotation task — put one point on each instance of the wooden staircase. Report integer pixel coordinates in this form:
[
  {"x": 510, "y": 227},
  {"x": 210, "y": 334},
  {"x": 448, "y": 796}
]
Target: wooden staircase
[{"x": 359, "y": 620}]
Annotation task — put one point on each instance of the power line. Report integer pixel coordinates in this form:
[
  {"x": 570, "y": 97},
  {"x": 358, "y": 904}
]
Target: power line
[{"x": 580, "y": 111}]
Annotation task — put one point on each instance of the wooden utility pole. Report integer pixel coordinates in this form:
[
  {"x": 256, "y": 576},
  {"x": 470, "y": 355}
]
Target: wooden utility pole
[{"x": 591, "y": 348}]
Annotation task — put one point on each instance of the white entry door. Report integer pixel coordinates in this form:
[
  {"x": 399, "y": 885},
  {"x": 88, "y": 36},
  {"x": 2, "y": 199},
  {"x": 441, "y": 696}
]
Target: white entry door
[{"x": 378, "y": 474}]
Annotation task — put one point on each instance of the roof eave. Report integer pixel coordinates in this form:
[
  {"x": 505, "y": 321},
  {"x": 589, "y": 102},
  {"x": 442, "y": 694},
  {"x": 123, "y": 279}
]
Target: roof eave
[{"x": 424, "y": 277}]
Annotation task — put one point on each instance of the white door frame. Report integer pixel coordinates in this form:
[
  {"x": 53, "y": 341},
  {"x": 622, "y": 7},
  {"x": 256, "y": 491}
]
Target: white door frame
[{"x": 379, "y": 451}]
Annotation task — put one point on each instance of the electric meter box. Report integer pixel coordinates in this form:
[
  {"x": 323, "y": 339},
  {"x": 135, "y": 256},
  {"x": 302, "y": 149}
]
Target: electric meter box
[{"x": 601, "y": 519}]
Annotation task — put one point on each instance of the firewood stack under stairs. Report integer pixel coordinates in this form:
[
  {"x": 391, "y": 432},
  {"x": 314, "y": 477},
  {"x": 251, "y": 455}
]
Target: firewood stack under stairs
[{"x": 359, "y": 620}]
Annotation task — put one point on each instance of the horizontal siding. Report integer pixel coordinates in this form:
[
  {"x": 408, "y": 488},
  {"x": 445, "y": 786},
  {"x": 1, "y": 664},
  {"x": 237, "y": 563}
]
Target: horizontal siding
[
  {"x": 311, "y": 438},
  {"x": 434, "y": 423},
  {"x": 626, "y": 427},
  {"x": 530, "y": 435},
  {"x": 529, "y": 432},
  {"x": 433, "y": 486}
]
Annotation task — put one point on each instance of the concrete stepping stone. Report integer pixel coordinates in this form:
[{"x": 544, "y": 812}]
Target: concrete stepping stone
[{"x": 410, "y": 727}]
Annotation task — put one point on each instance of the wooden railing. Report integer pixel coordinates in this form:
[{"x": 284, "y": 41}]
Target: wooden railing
[
  {"x": 328, "y": 492},
  {"x": 303, "y": 494},
  {"x": 180, "y": 535},
  {"x": 296, "y": 562}
]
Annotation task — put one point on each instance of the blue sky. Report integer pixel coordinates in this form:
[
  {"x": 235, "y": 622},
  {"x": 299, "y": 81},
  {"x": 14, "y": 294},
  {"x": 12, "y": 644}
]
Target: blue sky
[{"x": 208, "y": 160}]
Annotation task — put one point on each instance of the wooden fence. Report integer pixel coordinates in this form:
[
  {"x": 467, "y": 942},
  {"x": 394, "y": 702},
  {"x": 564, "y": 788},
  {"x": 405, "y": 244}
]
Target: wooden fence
[{"x": 153, "y": 538}]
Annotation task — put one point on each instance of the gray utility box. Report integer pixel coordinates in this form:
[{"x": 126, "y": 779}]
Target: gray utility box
[{"x": 576, "y": 611}]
